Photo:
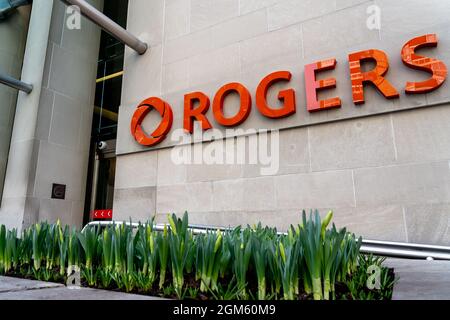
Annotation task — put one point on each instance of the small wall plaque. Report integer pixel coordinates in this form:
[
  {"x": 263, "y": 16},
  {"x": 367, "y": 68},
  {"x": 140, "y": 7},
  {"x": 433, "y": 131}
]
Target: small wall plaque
[{"x": 59, "y": 191}]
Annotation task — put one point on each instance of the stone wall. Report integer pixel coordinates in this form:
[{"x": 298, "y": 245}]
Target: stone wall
[
  {"x": 52, "y": 125},
  {"x": 65, "y": 116},
  {"x": 13, "y": 36},
  {"x": 383, "y": 167}
]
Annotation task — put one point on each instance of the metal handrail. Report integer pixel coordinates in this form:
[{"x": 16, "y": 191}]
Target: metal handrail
[
  {"x": 16, "y": 84},
  {"x": 388, "y": 250},
  {"x": 376, "y": 247},
  {"x": 109, "y": 25}
]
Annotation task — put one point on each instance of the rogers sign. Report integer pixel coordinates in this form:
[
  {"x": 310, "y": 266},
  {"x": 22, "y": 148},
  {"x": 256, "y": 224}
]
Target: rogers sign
[{"x": 436, "y": 68}]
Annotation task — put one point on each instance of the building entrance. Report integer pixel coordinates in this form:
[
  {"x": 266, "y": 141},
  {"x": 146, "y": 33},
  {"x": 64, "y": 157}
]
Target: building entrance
[{"x": 102, "y": 164}]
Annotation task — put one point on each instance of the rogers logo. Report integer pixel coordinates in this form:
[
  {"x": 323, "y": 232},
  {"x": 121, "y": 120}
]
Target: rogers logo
[
  {"x": 197, "y": 104},
  {"x": 164, "y": 127}
]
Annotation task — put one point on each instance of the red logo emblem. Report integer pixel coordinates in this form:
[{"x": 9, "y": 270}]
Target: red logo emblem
[{"x": 164, "y": 127}]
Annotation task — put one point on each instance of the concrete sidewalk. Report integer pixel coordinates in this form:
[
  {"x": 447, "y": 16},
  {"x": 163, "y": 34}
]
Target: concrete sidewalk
[
  {"x": 421, "y": 279},
  {"x": 18, "y": 289}
]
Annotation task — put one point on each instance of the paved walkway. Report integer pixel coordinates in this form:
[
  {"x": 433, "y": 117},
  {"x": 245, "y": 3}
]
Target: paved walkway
[
  {"x": 418, "y": 280},
  {"x": 421, "y": 279},
  {"x": 18, "y": 289}
]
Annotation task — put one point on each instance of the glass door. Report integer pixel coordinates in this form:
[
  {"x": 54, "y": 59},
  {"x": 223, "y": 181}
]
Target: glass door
[{"x": 102, "y": 164}]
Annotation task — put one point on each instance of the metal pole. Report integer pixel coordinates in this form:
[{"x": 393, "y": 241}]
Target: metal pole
[
  {"x": 109, "y": 26},
  {"x": 95, "y": 181},
  {"x": 16, "y": 84}
]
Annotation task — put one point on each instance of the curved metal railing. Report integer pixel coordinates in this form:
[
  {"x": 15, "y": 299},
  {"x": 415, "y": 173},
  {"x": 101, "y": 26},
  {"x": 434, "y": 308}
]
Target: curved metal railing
[{"x": 376, "y": 247}]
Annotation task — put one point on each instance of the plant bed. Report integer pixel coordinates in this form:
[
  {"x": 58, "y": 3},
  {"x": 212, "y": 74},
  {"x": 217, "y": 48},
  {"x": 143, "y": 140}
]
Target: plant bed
[{"x": 310, "y": 262}]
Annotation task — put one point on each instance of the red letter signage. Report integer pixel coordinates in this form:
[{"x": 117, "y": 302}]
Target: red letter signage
[
  {"x": 375, "y": 76},
  {"x": 285, "y": 96},
  {"x": 312, "y": 85},
  {"x": 199, "y": 114},
  {"x": 163, "y": 129},
  {"x": 197, "y": 104},
  {"x": 245, "y": 108},
  {"x": 436, "y": 67}
]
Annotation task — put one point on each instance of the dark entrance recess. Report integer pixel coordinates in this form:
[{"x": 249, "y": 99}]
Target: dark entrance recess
[{"x": 102, "y": 160}]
